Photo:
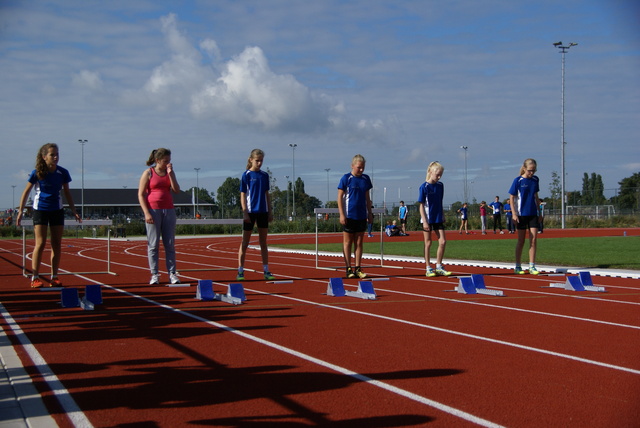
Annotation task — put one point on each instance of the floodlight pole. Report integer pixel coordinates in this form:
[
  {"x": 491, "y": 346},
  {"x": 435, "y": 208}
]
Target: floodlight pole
[
  {"x": 197, "y": 190},
  {"x": 466, "y": 185},
  {"x": 563, "y": 51},
  {"x": 327, "y": 169},
  {"x": 82, "y": 142},
  {"x": 293, "y": 187}
]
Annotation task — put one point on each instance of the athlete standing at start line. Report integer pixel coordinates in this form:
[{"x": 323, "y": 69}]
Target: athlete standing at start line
[
  {"x": 524, "y": 205},
  {"x": 354, "y": 204}
]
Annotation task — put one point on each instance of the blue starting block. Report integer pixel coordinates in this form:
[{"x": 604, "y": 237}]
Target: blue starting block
[
  {"x": 365, "y": 289},
  {"x": 235, "y": 292},
  {"x": 69, "y": 298},
  {"x": 582, "y": 282},
  {"x": 475, "y": 285}
]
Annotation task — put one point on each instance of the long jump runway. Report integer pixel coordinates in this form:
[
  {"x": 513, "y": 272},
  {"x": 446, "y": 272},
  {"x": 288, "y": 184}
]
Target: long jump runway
[{"x": 293, "y": 356}]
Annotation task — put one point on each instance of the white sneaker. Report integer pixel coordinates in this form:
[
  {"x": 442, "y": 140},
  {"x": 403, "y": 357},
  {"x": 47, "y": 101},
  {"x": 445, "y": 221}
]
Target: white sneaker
[
  {"x": 173, "y": 278},
  {"x": 155, "y": 279}
]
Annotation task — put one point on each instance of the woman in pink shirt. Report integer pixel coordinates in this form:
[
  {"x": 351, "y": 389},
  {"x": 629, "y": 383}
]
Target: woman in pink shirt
[{"x": 156, "y": 200}]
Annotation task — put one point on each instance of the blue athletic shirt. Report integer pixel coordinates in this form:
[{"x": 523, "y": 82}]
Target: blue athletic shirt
[
  {"x": 403, "y": 212},
  {"x": 47, "y": 197},
  {"x": 463, "y": 213},
  {"x": 255, "y": 184},
  {"x": 355, "y": 195},
  {"x": 431, "y": 195},
  {"x": 496, "y": 206},
  {"x": 525, "y": 190}
]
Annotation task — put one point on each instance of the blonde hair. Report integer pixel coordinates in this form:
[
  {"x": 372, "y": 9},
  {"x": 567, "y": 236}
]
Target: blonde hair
[
  {"x": 526, "y": 163},
  {"x": 433, "y": 166},
  {"x": 157, "y": 154},
  {"x": 41, "y": 165},
  {"x": 358, "y": 158},
  {"x": 255, "y": 153}
]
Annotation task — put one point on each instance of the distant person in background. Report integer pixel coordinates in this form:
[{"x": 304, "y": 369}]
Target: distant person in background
[
  {"x": 464, "y": 218},
  {"x": 402, "y": 216},
  {"x": 542, "y": 205},
  {"x": 509, "y": 215},
  {"x": 48, "y": 211},
  {"x": 430, "y": 197},
  {"x": 370, "y": 227},
  {"x": 483, "y": 217},
  {"x": 496, "y": 205},
  {"x": 525, "y": 202},
  {"x": 156, "y": 201}
]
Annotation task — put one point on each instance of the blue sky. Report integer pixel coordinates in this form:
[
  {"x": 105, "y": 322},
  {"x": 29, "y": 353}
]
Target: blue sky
[{"x": 401, "y": 82}]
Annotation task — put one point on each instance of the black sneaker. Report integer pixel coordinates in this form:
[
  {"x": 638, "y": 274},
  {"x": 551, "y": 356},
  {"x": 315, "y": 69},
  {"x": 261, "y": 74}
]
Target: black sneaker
[{"x": 350, "y": 273}]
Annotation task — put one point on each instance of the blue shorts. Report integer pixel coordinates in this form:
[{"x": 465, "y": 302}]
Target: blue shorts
[{"x": 48, "y": 218}]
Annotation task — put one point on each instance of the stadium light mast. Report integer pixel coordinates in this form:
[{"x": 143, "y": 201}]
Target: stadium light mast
[
  {"x": 563, "y": 51},
  {"x": 327, "y": 169},
  {"x": 466, "y": 183},
  {"x": 293, "y": 164},
  {"x": 82, "y": 142},
  {"x": 197, "y": 190}
]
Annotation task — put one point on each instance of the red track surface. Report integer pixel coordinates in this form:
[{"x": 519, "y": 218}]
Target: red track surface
[{"x": 293, "y": 356}]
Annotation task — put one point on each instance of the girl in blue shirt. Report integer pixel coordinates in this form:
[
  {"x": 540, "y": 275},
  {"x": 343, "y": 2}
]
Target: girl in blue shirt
[
  {"x": 524, "y": 203},
  {"x": 430, "y": 197},
  {"x": 256, "y": 208},
  {"x": 48, "y": 212}
]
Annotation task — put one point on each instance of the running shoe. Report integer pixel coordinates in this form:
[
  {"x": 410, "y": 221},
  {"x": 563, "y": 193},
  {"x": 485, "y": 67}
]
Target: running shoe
[
  {"x": 173, "y": 278},
  {"x": 350, "y": 273},
  {"x": 240, "y": 276},
  {"x": 155, "y": 279},
  {"x": 268, "y": 276},
  {"x": 36, "y": 283},
  {"x": 442, "y": 272},
  {"x": 430, "y": 272},
  {"x": 360, "y": 274},
  {"x": 518, "y": 271},
  {"x": 533, "y": 270},
  {"x": 55, "y": 282}
]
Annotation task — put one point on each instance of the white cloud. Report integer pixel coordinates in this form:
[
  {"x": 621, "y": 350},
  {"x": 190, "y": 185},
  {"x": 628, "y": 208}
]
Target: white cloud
[{"x": 87, "y": 79}]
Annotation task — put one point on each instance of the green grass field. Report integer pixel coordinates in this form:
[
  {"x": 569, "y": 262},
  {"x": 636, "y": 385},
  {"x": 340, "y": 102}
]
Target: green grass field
[{"x": 619, "y": 252}]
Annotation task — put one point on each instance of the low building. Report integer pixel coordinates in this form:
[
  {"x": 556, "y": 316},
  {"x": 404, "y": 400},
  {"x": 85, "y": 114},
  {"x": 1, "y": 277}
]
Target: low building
[{"x": 123, "y": 203}]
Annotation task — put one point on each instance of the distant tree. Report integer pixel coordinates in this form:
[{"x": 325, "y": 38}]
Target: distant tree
[
  {"x": 629, "y": 194},
  {"x": 229, "y": 198},
  {"x": 592, "y": 189},
  {"x": 555, "y": 189}
]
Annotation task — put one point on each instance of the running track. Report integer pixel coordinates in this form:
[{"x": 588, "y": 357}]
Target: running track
[{"x": 291, "y": 356}]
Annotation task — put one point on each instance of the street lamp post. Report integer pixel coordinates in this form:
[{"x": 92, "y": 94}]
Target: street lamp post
[
  {"x": 197, "y": 190},
  {"x": 563, "y": 50},
  {"x": 293, "y": 187},
  {"x": 82, "y": 143},
  {"x": 13, "y": 198},
  {"x": 327, "y": 169},
  {"x": 466, "y": 183},
  {"x": 288, "y": 185}
]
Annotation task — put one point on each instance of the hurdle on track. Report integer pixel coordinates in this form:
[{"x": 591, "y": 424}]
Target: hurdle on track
[
  {"x": 379, "y": 211},
  {"x": 108, "y": 223},
  {"x": 223, "y": 221}
]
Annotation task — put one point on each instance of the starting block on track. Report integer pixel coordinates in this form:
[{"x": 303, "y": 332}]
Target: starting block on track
[
  {"x": 365, "y": 289},
  {"x": 69, "y": 297},
  {"x": 235, "y": 293},
  {"x": 475, "y": 285},
  {"x": 582, "y": 282}
]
